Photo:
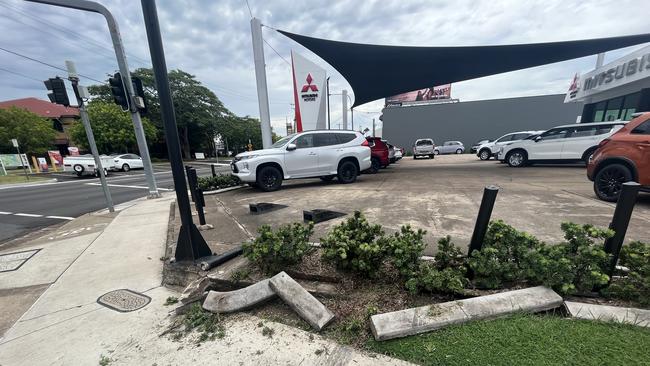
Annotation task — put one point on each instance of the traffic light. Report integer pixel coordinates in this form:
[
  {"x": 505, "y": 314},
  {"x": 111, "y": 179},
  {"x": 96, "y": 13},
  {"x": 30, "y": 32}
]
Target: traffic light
[
  {"x": 120, "y": 95},
  {"x": 140, "y": 100},
  {"x": 57, "y": 93}
]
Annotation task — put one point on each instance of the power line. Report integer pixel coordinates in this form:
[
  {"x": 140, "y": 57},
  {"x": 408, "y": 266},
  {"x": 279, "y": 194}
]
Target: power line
[
  {"x": 19, "y": 74},
  {"x": 249, "y": 9},
  {"x": 47, "y": 64},
  {"x": 276, "y": 52}
]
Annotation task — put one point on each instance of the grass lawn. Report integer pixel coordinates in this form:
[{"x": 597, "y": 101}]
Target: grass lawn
[
  {"x": 13, "y": 179},
  {"x": 525, "y": 340}
]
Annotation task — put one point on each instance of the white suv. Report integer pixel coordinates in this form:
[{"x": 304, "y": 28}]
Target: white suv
[
  {"x": 491, "y": 148},
  {"x": 568, "y": 143},
  {"x": 310, "y": 154}
]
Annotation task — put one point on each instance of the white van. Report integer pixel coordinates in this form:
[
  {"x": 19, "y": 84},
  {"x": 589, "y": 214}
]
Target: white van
[{"x": 568, "y": 143}]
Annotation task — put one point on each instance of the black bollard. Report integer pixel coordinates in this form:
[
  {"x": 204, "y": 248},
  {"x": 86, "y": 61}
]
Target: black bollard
[
  {"x": 200, "y": 204},
  {"x": 483, "y": 219},
  {"x": 620, "y": 222},
  {"x": 192, "y": 181},
  {"x": 214, "y": 173}
]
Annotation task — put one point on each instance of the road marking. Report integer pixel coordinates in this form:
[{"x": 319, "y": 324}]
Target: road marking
[
  {"x": 60, "y": 217},
  {"x": 5, "y": 213},
  {"x": 127, "y": 186},
  {"x": 27, "y": 215}
]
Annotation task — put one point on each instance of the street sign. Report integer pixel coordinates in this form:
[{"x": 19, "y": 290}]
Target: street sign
[{"x": 14, "y": 142}]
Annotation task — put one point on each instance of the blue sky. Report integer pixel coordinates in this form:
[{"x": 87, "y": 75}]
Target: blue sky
[{"x": 211, "y": 39}]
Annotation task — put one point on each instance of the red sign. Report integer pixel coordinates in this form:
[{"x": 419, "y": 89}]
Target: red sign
[
  {"x": 74, "y": 151},
  {"x": 434, "y": 93},
  {"x": 56, "y": 157}
]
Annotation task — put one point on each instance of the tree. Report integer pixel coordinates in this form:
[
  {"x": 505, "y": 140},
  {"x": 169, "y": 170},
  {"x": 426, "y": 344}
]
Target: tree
[
  {"x": 198, "y": 110},
  {"x": 113, "y": 129},
  {"x": 35, "y": 134}
]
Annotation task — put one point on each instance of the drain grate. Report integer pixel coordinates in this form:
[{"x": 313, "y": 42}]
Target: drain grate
[
  {"x": 124, "y": 300},
  {"x": 264, "y": 207},
  {"x": 12, "y": 261},
  {"x": 319, "y": 215}
]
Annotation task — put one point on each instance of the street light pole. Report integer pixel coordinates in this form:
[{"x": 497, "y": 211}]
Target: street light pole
[
  {"x": 329, "y": 127},
  {"x": 126, "y": 78},
  {"x": 190, "y": 244}
]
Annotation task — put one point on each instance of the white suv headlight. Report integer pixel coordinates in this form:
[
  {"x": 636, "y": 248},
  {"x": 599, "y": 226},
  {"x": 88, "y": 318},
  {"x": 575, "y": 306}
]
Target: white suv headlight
[{"x": 246, "y": 157}]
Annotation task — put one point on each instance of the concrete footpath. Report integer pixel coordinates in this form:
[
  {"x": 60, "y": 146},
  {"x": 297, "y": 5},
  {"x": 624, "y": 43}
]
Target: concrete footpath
[{"x": 67, "y": 326}]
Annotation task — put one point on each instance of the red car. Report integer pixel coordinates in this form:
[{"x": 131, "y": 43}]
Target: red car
[
  {"x": 378, "y": 154},
  {"x": 623, "y": 157}
]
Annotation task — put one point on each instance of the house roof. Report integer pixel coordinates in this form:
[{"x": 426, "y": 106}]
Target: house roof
[{"x": 41, "y": 107}]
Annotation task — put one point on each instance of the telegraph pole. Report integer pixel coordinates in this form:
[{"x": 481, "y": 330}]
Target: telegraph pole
[
  {"x": 126, "y": 76},
  {"x": 80, "y": 93}
]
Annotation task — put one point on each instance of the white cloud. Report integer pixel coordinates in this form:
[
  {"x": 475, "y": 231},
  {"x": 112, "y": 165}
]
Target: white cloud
[{"x": 212, "y": 41}]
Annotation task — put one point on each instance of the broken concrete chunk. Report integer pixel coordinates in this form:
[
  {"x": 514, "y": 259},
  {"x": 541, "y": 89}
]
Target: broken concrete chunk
[
  {"x": 638, "y": 317},
  {"x": 227, "y": 302},
  {"x": 195, "y": 290},
  {"x": 427, "y": 318},
  {"x": 301, "y": 301}
]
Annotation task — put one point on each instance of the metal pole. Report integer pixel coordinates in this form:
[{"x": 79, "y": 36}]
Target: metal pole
[
  {"x": 22, "y": 164},
  {"x": 373, "y": 127},
  {"x": 329, "y": 127},
  {"x": 72, "y": 76},
  {"x": 352, "y": 115},
  {"x": 620, "y": 221},
  {"x": 260, "y": 76},
  {"x": 190, "y": 244},
  {"x": 214, "y": 173},
  {"x": 483, "y": 219},
  {"x": 344, "y": 101},
  {"x": 126, "y": 78},
  {"x": 200, "y": 204}
]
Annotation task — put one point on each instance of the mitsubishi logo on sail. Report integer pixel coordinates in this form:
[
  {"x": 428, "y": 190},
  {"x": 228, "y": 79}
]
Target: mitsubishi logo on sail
[{"x": 309, "y": 86}]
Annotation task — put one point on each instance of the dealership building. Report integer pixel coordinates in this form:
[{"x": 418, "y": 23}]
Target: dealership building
[{"x": 613, "y": 91}]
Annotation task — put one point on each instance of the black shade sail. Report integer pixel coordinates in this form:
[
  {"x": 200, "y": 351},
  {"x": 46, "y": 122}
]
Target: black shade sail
[{"x": 376, "y": 71}]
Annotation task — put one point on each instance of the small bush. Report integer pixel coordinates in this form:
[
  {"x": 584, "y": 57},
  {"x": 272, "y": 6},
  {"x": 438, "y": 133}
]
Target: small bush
[
  {"x": 445, "y": 275},
  {"x": 405, "y": 249},
  {"x": 274, "y": 250},
  {"x": 356, "y": 245},
  {"x": 635, "y": 286},
  {"x": 218, "y": 182}
]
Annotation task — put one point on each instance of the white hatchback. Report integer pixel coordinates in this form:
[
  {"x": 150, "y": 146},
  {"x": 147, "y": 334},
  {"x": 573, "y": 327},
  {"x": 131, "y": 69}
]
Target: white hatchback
[
  {"x": 568, "y": 143},
  {"x": 327, "y": 154},
  {"x": 126, "y": 162}
]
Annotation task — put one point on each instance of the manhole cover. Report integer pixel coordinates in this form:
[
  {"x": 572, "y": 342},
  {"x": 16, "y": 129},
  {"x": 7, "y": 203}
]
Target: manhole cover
[
  {"x": 124, "y": 300},
  {"x": 13, "y": 261}
]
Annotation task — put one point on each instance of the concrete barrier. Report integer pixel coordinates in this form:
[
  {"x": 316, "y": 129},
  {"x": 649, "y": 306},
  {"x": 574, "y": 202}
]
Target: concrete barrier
[
  {"x": 231, "y": 301},
  {"x": 427, "y": 318},
  {"x": 301, "y": 301},
  {"x": 638, "y": 317}
]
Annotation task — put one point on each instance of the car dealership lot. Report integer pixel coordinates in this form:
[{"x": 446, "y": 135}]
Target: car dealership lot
[{"x": 442, "y": 196}]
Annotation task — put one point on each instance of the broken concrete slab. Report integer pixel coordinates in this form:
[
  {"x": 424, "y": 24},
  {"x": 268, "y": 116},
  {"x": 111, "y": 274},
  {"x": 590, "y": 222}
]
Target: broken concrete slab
[
  {"x": 195, "y": 290},
  {"x": 427, "y": 318},
  {"x": 231, "y": 301},
  {"x": 301, "y": 301},
  {"x": 634, "y": 316}
]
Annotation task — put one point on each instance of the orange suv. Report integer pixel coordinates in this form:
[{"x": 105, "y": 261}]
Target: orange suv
[{"x": 623, "y": 157}]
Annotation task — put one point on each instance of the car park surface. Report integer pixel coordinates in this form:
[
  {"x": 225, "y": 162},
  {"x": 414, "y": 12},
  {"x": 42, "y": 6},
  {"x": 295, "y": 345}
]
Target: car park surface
[{"x": 442, "y": 196}]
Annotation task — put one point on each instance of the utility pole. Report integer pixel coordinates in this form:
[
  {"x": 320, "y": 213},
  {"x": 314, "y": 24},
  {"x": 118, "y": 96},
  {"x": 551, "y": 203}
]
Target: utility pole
[
  {"x": 260, "y": 76},
  {"x": 344, "y": 103},
  {"x": 126, "y": 76},
  {"x": 328, "y": 103},
  {"x": 80, "y": 93},
  {"x": 190, "y": 244}
]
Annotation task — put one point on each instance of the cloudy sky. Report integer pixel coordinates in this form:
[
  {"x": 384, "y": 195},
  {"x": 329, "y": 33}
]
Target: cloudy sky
[{"x": 211, "y": 39}]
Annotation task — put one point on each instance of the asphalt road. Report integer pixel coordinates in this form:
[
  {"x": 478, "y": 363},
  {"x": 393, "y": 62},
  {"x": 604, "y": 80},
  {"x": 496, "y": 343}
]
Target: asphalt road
[{"x": 30, "y": 208}]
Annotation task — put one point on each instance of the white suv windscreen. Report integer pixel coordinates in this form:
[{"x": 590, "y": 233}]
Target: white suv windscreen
[{"x": 423, "y": 143}]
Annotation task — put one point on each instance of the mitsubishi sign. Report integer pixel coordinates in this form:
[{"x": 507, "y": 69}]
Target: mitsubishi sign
[
  {"x": 308, "y": 93},
  {"x": 632, "y": 67}
]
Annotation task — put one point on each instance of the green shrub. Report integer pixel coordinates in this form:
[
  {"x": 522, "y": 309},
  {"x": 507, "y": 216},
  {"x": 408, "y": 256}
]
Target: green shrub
[
  {"x": 405, "y": 248},
  {"x": 449, "y": 255},
  {"x": 218, "y": 182},
  {"x": 445, "y": 275},
  {"x": 635, "y": 286},
  {"x": 507, "y": 255},
  {"x": 274, "y": 250},
  {"x": 356, "y": 245}
]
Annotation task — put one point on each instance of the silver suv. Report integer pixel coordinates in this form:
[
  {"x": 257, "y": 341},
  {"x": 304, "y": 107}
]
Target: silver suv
[{"x": 423, "y": 147}]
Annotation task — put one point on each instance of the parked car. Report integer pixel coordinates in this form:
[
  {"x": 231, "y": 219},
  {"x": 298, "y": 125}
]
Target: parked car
[
  {"x": 85, "y": 164},
  {"x": 474, "y": 148},
  {"x": 126, "y": 162},
  {"x": 568, "y": 143},
  {"x": 391, "y": 153},
  {"x": 423, "y": 147},
  {"x": 380, "y": 154},
  {"x": 620, "y": 158},
  {"x": 449, "y": 147},
  {"x": 399, "y": 153},
  {"x": 327, "y": 154},
  {"x": 489, "y": 149}
]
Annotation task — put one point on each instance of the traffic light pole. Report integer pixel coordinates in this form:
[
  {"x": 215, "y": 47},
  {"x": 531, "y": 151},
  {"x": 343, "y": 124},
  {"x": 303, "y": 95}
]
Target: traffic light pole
[{"x": 126, "y": 77}]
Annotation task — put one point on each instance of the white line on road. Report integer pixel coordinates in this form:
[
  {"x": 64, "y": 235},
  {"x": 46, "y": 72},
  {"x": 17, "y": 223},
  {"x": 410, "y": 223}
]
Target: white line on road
[
  {"x": 126, "y": 186},
  {"x": 27, "y": 215},
  {"x": 60, "y": 217},
  {"x": 5, "y": 213}
]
